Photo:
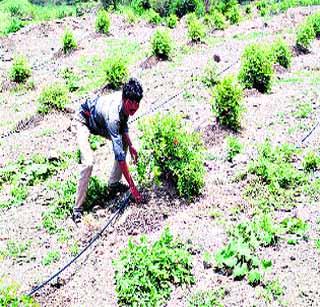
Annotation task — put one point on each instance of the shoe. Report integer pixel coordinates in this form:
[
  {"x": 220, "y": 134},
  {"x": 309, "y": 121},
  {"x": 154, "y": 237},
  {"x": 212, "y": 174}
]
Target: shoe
[
  {"x": 77, "y": 215},
  {"x": 117, "y": 187}
]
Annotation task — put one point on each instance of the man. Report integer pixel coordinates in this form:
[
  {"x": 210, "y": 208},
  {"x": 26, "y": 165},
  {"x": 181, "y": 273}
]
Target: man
[{"x": 107, "y": 116}]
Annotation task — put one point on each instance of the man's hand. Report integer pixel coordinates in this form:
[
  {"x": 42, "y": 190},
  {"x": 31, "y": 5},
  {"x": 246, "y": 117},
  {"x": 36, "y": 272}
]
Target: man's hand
[
  {"x": 134, "y": 154},
  {"x": 135, "y": 193}
]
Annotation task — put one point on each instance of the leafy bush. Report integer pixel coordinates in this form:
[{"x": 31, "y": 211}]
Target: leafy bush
[
  {"x": 183, "y": 7},
  {"x": 305, "y": 35},
  {"x": 234, "y": 147},
  {"x": 153, "y": 17},
  {"x": 281, "y": 53},
  {"x": 227, "y": 103},
  {"x": 215, "y": 20},
  {"x": 115, "y": 71},
  {"x": 103, "y": 22},
  {"x": 161, "y": 7},
  {"x": 20, "y": 70},
  {"x": 145, "y": 274},
  {"x": 54, "y": 96},
  {"x": 311, "y": 161},
  {"x": 172, "y": 21},
  {"x": 168, "y": 150},
  {"x": 233, "y": 14},
  {"x": 210, "y": 75},
  {"x": 9, "y": 296},
  {"x": 256, "y": 68},
  {"x": 315, "y": 21},
  {"x": 161, "y": 43},
  {"x": 68, "y": 42},
  {"x": 196, "y": 30},
  {"x": 71, "y": 79}
]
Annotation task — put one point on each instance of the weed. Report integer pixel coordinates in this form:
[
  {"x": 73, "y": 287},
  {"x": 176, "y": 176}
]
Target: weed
[
  {"x": 103, "y": 22},
  {"x": 196, "y": 30},
  {"x": 71, "y": 79},
  {"x": 281, "y": 53},
  {"x": 234, "y": 147},
  {"x": 227, "y": 103},
  {"x": 168, "y": 150},
  {"x": 15, "y": 249},
  {"x": 74, "y": 249},
  {"x": 273, "y": 290},
  {"x": 54, "y": 96},
  {"x": 20, "y": 70},
  {"x": 210, "y": 75},
  {"x": 207, "y": 298},
  {"x": 256, "y": 68},
  {"x": 51, "y": 257},
  {"x": 9, "y": 296},
  {"x": 311, "y": 161},
  {"x": 68, "y": 42},
  {"x": 161, "y": 43},
  {"x": 277, "y": 174},
  {"x": 115, "y": 71},
  {"x": 296, "y": 226},
  {"x": 14, "y": 26},
  {"x": 315, "y": 21},
  {"x": 303, "y": 110},
  {"x": 233, "y": 14},
  {"x": 145, "y": 275},
  {"x": 172, "y": 21}
]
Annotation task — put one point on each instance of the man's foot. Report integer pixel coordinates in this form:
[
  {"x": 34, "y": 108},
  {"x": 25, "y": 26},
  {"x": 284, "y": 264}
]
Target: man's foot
[
  {"x": 77, "y": 215},
  {"x": 117, "y": 187}
]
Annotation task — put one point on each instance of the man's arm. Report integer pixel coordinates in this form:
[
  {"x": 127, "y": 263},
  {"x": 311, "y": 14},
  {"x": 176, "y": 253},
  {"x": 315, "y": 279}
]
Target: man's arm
[{"x": 132, "y": 150}]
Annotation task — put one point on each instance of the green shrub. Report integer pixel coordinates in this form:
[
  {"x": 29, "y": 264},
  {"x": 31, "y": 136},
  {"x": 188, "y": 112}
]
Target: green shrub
[
  {"x": 161, "y": 7},
  {"x": 71, "y": 79},
  {"x": 15, "y": 25},
  {"x": 183, "y": 7},
  {"x": 68, "y": 42},
  {"x": 227, "y": 103},
  {"x": 103, "y": 22},
  {"x": 210, "y": 75},
  {"x": 311, "y": 162},
  {"x": 153, "y": 17},
  {"x": 315, "y": 21},
  {"x": 233, "y": 14},
  {"x": 9, "y": 296},
  {"x": 145, "y": 275},
  {"x": 215, "y": 20},
  {"x": 234, "y": 147},
  {"x": 54, "y": 96},
  {"x": 169, "y": 151},
  {"x": 281, "y": 53},
  {"x": 172, "y": 21},
  {"x": 305, "y": 35},
  {"x": 161, "y": 43},
  {"x": 256, "y": 68},
  {"x": 115, "y": 71},
  {"x": 196, "y": 30},
  {"x": 20, "y": 70},
  {"x": 16, "y": 10}
]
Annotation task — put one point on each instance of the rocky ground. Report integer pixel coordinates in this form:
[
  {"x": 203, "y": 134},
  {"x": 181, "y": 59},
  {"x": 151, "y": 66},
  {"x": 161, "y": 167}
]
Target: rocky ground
[{"x": 90, "y": 282}]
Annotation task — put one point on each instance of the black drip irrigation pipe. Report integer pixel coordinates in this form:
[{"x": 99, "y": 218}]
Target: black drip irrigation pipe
[{"x": 122, "y": 205}]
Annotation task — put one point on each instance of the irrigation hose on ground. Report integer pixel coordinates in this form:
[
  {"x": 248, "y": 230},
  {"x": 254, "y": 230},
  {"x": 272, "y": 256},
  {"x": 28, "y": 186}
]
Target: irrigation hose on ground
[{"x": 121, "y": 206}]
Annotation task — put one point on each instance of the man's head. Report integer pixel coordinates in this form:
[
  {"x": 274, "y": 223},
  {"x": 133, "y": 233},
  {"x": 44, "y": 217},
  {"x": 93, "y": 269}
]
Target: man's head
[{"x": 132, "y": 94}]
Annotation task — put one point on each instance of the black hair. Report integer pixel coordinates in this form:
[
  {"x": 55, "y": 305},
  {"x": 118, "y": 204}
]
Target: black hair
[{"x": 132, "y": 90}]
